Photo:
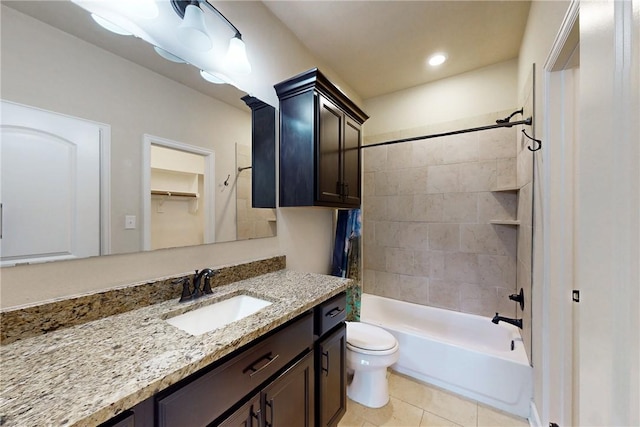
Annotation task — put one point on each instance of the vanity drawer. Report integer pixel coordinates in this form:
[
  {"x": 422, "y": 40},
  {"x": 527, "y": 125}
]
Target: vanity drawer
[
  {"x": 330, "y": 313},
  {"x": 207, "y": 397}
]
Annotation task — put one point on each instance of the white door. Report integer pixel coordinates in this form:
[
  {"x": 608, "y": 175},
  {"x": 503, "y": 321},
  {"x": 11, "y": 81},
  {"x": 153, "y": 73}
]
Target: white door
[{"x": 50, "y": 191}]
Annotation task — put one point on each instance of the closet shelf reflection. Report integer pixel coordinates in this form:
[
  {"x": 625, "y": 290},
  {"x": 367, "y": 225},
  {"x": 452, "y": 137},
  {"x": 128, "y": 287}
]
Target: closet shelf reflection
[{"x": 173, "y": 194}]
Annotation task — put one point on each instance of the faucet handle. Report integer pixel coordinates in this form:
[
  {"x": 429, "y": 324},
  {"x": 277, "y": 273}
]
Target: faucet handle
[
  {"x": 196, "y": 286},
  {"x": 206, "y": 287},
  {"x": 186, "y": 290}
]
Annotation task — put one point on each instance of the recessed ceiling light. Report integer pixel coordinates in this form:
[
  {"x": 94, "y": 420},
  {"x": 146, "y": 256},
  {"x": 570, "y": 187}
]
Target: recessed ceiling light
[{"x": 437, "y": 59}]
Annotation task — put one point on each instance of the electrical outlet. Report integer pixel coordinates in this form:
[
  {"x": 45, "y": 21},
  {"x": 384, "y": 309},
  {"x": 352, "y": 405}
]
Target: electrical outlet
[{"x": 129, "y": 222}]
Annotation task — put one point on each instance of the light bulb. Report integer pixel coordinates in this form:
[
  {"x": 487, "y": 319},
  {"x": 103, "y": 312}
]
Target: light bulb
[
  {"x": 236, "y": 59},
  {"x": 192, "y": 31}
]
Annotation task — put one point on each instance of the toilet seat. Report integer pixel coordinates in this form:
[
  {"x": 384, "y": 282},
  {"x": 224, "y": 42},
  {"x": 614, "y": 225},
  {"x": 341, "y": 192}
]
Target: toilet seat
[{"x": 369, "y": 339}]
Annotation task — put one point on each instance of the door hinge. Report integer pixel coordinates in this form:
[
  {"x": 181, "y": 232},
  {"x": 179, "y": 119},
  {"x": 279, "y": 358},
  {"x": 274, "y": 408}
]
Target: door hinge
[{"x": 575, "y": 295}]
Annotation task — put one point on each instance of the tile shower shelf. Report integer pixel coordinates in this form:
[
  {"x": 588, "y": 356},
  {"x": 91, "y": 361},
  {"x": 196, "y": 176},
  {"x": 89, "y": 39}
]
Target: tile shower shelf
[{"x": 514, "y": 222}]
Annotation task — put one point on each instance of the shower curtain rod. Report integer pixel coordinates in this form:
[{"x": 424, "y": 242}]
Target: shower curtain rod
[{"x": 500, "y": 123}]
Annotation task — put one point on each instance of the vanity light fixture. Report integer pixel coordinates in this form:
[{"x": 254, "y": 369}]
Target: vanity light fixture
[
  {"x": 110, "y": 26},
  {"x": 236, "y": 59},
  {"x": 212, "y": 77},
  {"x": 437, "y": 59},
  {"x": 192, "y": 32},
  {"x": 168, "y": 55}
]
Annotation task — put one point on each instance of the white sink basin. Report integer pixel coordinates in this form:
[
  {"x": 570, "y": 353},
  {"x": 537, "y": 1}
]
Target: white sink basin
[{"x": 216, "y": 315}]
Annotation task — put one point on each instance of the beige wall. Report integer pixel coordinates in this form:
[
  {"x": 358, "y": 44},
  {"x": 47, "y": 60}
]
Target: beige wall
[
  {"x": 471, "y": 94},
  {"x": 304, "y": 235}
]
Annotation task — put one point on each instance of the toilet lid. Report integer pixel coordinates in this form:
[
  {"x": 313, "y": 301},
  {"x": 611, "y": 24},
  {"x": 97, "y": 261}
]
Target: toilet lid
[{"x": 369, "y": 337}]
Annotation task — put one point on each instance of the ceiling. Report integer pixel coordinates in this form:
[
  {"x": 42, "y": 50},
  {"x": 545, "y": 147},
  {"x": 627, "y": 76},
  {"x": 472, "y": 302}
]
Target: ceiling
[{"x": 378, "y": 47}]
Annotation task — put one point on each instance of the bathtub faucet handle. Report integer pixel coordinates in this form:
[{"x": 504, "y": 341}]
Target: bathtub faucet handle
[{"x": 518, "y": 298}]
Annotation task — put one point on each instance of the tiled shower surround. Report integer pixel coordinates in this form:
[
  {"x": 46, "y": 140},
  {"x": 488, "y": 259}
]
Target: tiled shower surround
[{"x": 427, "y": 209}]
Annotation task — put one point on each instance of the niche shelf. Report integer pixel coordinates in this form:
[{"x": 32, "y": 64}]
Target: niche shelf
[{"x": 512, "y": 222}]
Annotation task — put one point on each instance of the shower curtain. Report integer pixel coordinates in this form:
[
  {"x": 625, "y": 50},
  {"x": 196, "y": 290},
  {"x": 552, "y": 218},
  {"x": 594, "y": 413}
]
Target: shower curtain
[{"x": 346, "y": 257}]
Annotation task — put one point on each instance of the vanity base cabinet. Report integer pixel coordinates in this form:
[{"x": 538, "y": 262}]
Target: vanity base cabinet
[
  {"x": 289, "y": 399},
  {"x": 331, "y": 376},
  {"x": 249, "y": 415},
  {"x": 205, "y": 397}
]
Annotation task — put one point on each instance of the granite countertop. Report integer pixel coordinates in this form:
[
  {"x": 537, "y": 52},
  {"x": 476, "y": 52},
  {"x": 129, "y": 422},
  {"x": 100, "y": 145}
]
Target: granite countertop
[{"x": 86, "y": 374}]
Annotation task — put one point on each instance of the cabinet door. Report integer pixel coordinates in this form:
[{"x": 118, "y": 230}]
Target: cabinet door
[
  {"x": 329, "y": 148},
  {"x": 331, "y": 378},
  {"x": 249, "y": 415},
  {"x": 288, "y": 401},
  {"x": 351, "y": 163}
]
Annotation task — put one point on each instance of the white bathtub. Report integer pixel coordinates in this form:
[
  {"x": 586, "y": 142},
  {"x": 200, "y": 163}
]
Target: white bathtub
[{"x": 463, "y": 353}]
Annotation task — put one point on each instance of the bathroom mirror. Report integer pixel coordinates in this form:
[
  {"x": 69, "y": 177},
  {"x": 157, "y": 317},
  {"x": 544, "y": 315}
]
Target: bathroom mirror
[{"x": 55, "y": 58}]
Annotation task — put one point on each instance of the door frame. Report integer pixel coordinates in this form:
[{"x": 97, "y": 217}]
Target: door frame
[
  {"x": 104, "y": 132},
  {"x": 558, "y": 222},
  {"x": 209, "y": 185}
]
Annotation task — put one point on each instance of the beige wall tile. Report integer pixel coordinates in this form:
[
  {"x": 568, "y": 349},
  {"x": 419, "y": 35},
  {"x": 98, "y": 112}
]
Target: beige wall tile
[
  {"x": 506, "y": 173},
  {"x": 400, "y": 208},
  {"x": 369, "y": 281},
  {"x": 427, "y": 152},
  {"x": 428, "y": 207},
  {"x": 399, "y": 260},
  {"x": 488, "y": 239},
  {"x": 388, "y": 233},
  {"x": 368, "y": 184},
  {"x": 460, "y": 207},
  {"x": 497, "y": 270},
  {"x": 497, "y": 205},
  {"x": 480, "y": 176},
  {"x": 414, "y": 289},
  {"x": 374, "y": 257},
  {"x": 444, "y": 294},
  {"x": 461, "y": 267},
  {"x": 497, "y": 143},
  {"x": 415, "y": 235},
  {"x": 443, "y": 179},
  {"x": 387, "y": 183},
  {"x": 417, "y": 180},
  {"x": 460, "y": 148},
  {"x": 423, "y": 263},
  {"x": 444, "y": 237},
  {"x": 387, "y": 284},
  {"x": 478, "y": 300},
  {"x": 506, "y": 307},
  {"x": 399, "y": 156},
  {"x": 436, "y": 265},
  {"x": 374, "y": 208},
  {"x": 374, "y": 159}
]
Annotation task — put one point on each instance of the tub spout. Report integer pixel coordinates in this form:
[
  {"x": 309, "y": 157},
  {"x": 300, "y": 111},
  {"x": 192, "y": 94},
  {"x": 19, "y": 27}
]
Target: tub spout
[{"x": 516, "y": 322}]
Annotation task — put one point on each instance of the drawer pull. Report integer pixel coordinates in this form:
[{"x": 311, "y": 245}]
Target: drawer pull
[
  {"x": 255, "y": 370},
  {"x": 333, "y": 313}
]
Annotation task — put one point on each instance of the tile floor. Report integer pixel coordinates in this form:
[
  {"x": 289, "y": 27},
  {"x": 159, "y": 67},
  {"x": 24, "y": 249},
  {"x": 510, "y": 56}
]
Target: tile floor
[{"x": 415, "y": 404}]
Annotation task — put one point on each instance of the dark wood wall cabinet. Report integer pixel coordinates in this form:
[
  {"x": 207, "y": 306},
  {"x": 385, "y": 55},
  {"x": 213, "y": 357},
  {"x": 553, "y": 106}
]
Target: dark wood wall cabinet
[
  {"x": 293, "y": 377},
  {"x": 263, "y": 153},
  {"x": 320, "y": 138}
]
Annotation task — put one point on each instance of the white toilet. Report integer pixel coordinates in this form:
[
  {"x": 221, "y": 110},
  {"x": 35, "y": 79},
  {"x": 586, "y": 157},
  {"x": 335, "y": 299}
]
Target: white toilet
[{"x": 370, "y": 351}]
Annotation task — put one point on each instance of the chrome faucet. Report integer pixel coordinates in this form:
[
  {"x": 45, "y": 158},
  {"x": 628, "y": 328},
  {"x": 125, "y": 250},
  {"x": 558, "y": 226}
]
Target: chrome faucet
[{"x": 516, "y": 322}]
